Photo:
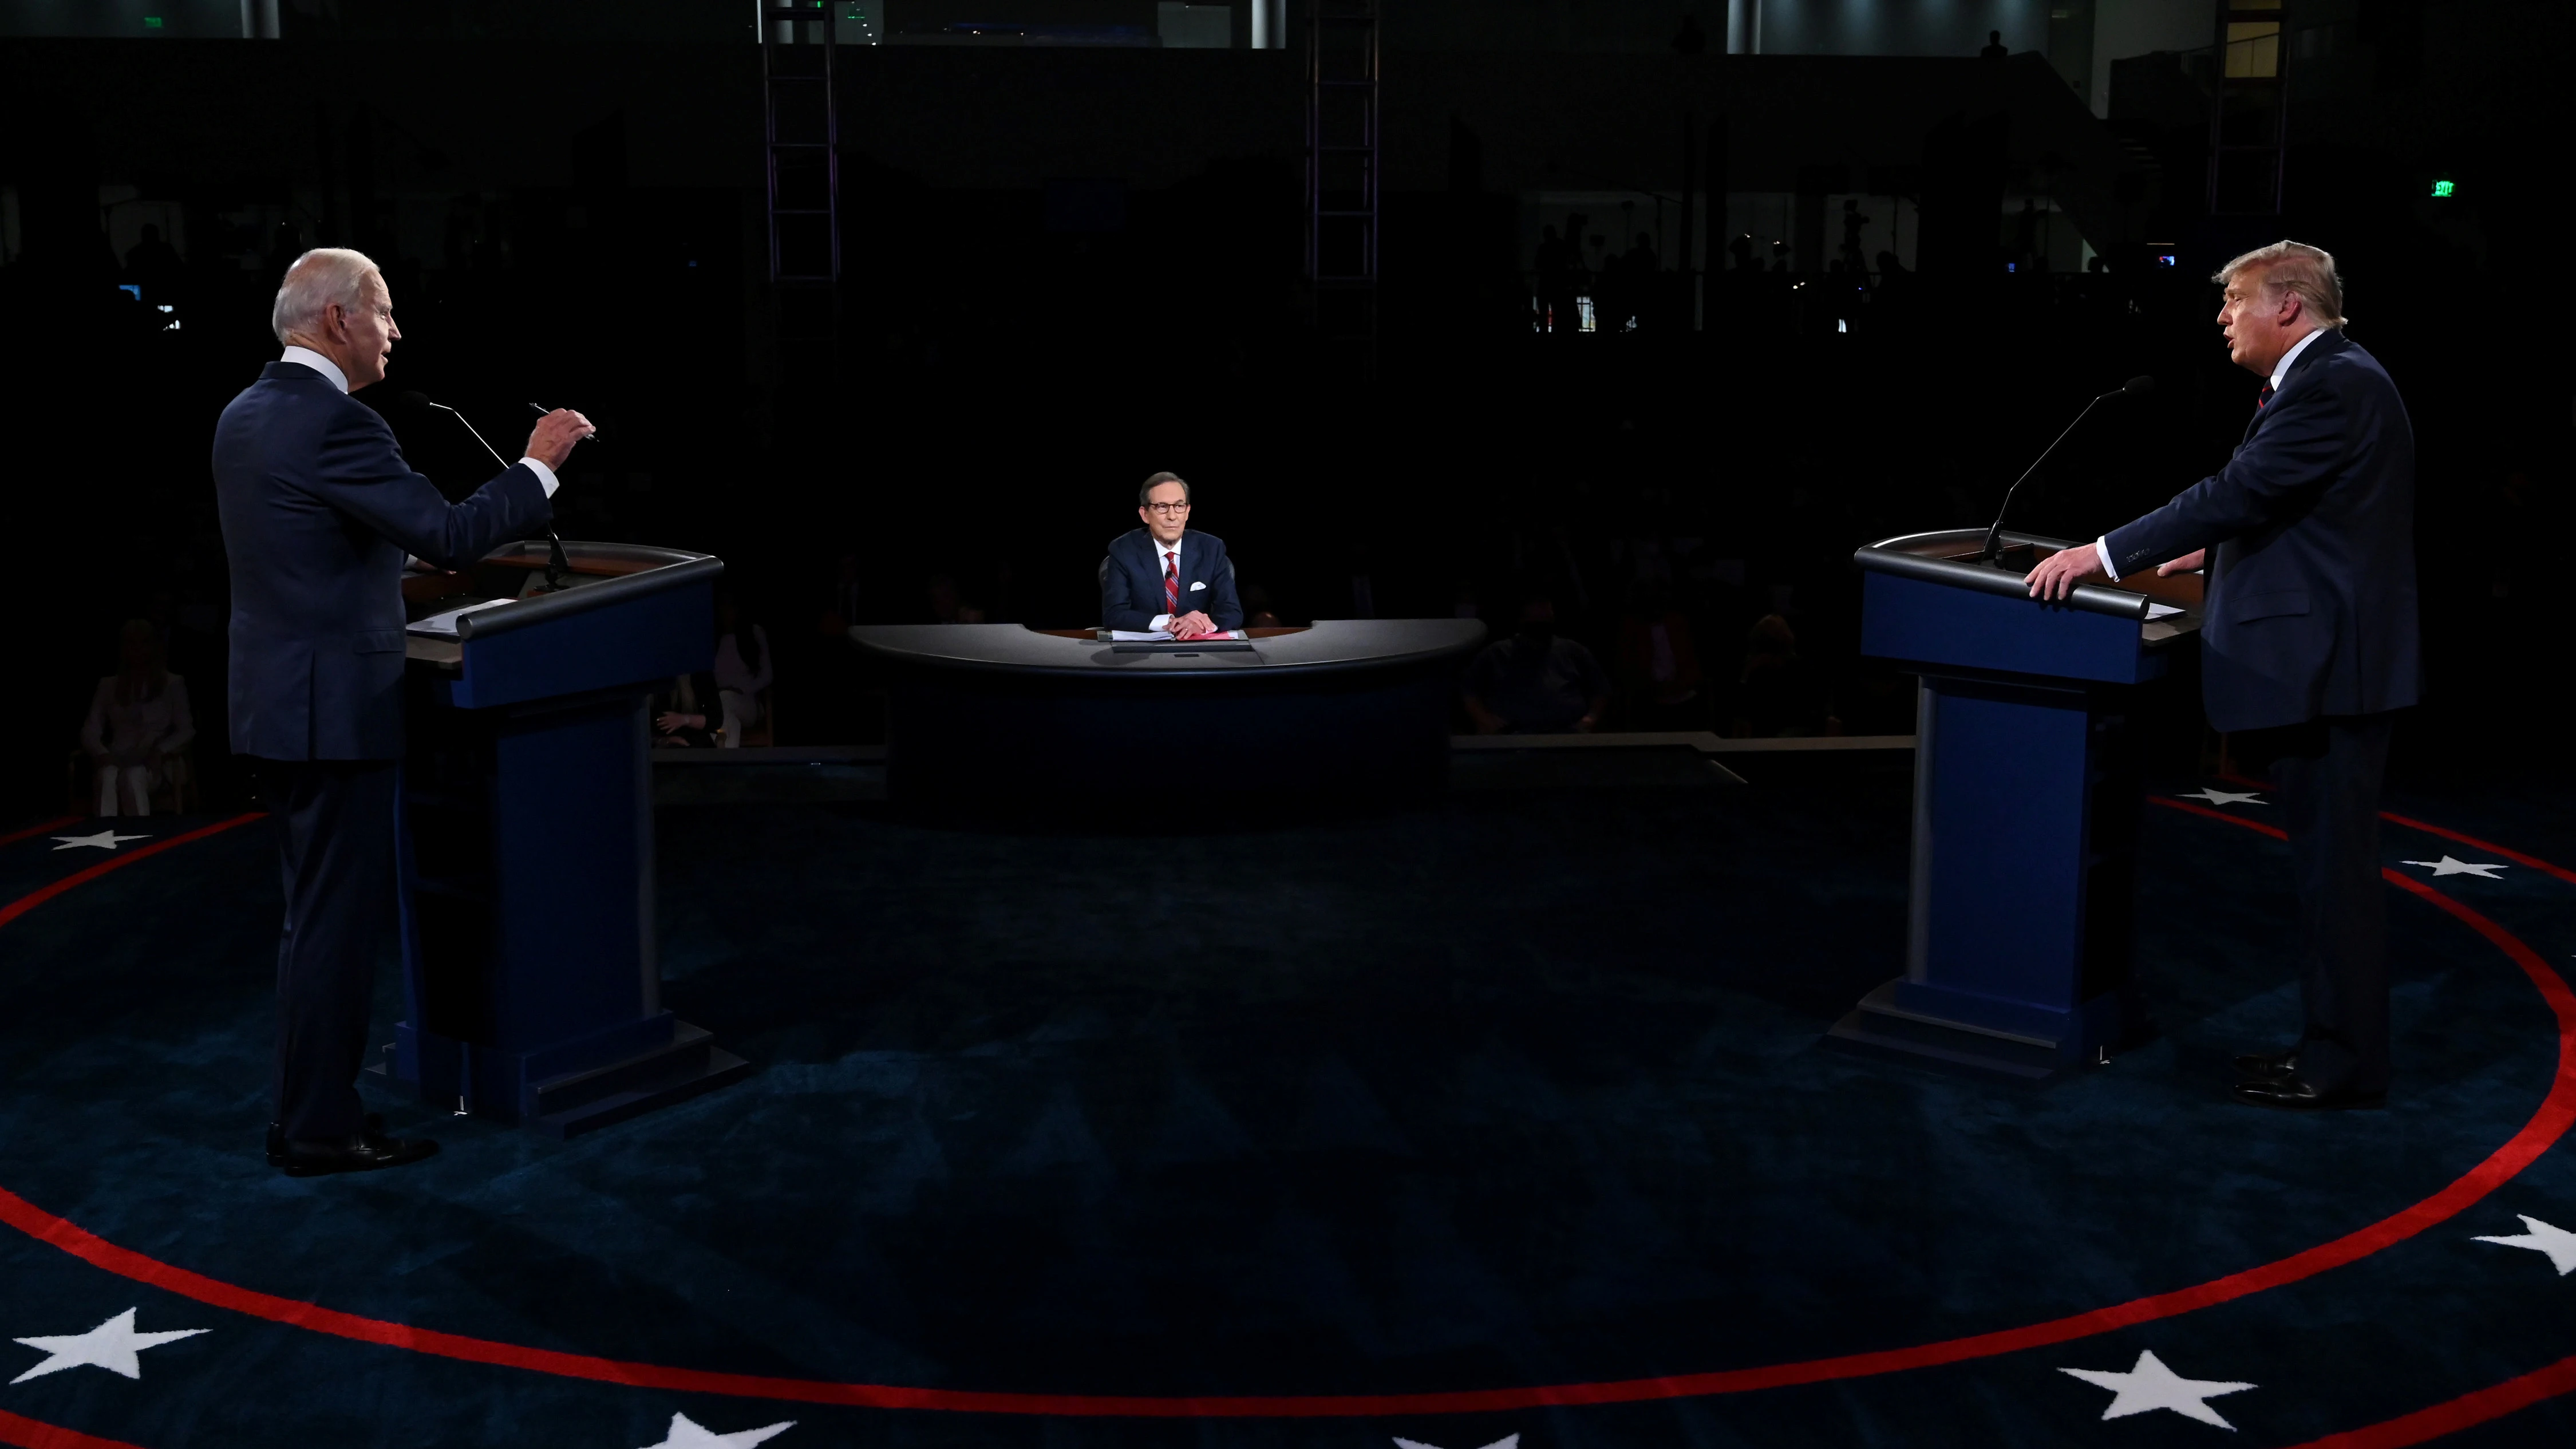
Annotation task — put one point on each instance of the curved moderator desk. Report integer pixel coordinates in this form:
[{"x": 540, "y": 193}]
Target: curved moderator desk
[{"x": 1002, "y": 712}]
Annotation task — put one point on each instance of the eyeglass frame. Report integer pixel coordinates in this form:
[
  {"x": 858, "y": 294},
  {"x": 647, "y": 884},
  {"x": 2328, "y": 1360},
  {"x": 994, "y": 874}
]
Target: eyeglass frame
[{"x": 1167, "y": 509}]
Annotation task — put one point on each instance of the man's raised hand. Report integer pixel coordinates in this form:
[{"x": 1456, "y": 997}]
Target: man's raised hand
[{"x": 551, "y": 441}]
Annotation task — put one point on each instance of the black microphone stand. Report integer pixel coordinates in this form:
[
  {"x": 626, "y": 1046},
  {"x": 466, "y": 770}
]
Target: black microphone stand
[
  {"x": 558, "y": 568},
  {"x": 1995, "y": 535}
]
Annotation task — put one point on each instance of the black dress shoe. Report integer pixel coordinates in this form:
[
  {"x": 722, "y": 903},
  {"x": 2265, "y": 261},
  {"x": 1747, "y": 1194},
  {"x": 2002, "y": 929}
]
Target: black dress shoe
[
  {"x": 373, "y": 1122},
  {"x": 358, "y": 1152},
  {"x": 2297, "y": 1094},
  {"x": 2254, "y": 1067}
]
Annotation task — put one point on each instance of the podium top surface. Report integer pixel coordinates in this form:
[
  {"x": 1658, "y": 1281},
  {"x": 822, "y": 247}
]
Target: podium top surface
[
  {"x": 630, "y": 612},
  {"x": 603, "y": 576},
  {"x": 1953, "y": 557},
  {"x": 1332, "y": 645}
]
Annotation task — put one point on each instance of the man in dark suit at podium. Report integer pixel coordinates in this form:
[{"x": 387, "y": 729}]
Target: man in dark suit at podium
[
  {"x": 318, "y": 511},
  {"x": 1166, "y": 576},
  {"x": 2309, "y": 636}
]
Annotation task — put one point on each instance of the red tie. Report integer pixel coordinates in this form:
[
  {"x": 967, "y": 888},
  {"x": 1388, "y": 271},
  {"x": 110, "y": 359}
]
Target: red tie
[
  {"x": 1172, "y": 584},
  {"x": 2263, "y": 399}
]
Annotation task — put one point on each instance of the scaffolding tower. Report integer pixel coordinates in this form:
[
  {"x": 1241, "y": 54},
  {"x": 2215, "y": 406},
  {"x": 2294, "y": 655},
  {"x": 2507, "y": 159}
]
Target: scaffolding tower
[
  {"x": 2249, "y": 108},
  {"x": 801, "y": 130},
  {"x": 1342, "y": 166}
]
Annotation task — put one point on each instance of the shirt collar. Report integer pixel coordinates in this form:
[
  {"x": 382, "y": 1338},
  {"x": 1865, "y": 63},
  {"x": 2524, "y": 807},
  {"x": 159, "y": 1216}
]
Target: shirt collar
[
  {"x": 307, "y": 357},
  {"x": 2281, "y": 369},
  {"x": 1161, "y": 548}
]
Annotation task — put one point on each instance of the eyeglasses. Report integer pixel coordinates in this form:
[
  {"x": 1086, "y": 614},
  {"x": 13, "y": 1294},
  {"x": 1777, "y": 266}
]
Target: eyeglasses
[{"x": 1168, "y": 508}]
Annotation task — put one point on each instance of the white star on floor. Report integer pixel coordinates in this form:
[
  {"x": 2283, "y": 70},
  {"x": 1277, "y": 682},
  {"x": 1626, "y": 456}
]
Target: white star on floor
[
  {"x": 106, "y": 839},
  {"x": 2222, "y": 797},
  {"x": 2558, "y": 1243},
  {"x": 1508, "y": 1441},
  {"x": 2448, "y": 866},
  {"x": 2151, "y": 1386},
  {"x": 111, "y": 1346},
  {"x": 686, "y": 1433}
]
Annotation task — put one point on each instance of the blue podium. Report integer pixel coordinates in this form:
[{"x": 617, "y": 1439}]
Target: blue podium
[
  {"x": 530, "y": 983},
  {"x": 2026, "y": 795}
]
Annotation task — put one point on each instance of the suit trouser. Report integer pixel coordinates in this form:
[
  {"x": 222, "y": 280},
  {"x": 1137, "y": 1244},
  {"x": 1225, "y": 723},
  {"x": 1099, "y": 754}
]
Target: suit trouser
[
  {"x": 2327, "y": 774},
  {"x": 335, "y": 844}
]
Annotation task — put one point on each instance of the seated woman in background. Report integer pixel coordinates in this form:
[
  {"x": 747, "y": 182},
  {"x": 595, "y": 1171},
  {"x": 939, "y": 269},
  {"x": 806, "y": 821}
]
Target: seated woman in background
[
  {"x": 686, "y": 715},
  {"x": 138, "y": 719},
  {"x": 742, "y": 670}
]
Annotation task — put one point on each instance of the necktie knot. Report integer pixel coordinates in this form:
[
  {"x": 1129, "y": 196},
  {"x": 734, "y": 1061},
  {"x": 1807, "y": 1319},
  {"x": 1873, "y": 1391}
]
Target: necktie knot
[{"x": 2263, "y": 399}]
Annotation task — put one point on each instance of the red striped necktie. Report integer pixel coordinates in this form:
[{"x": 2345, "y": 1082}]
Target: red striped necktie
[
  {"x": 1172, "y": 584},
  {"x": 2263, "y": 399}
]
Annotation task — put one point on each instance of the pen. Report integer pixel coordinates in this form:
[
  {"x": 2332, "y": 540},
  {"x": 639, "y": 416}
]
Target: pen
[{"x": 542, "y": 411}]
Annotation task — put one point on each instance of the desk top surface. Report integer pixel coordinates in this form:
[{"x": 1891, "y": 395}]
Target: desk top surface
[{"x": 1332, "y": 645}]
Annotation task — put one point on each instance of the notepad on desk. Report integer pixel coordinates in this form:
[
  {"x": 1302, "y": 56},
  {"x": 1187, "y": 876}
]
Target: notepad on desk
[
  {"x": 2157, "y": 611},
  {"x": 443, "y": 626},
  {"x": 1158, "y": 636}
]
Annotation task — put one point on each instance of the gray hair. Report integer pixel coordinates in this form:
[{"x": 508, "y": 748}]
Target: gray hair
[
  {"x": 319, "y": 278},
  {"x": 1145, "y": 494},
  {"x": 2288, "y": 266}
]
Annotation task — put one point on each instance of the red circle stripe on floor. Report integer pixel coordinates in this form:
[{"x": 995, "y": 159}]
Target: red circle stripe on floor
[
  {"x": 2556, "y": 1114},
  {"x": 24, "y": 1433}
]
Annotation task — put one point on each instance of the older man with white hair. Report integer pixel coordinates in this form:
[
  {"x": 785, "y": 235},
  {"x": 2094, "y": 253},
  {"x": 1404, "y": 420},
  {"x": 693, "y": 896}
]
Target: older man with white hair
[
  {"x": 2309, "y": 640},
  {"x": 319, "y": 510}
]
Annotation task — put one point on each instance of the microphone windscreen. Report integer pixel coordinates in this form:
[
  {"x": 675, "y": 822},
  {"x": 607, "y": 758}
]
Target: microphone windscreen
[
  {"x": 2139, "y": 386},
  {"x": 416, "y": 401}
]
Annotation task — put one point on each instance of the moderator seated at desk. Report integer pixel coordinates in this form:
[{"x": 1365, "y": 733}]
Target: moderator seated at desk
[
  {"x": 1165, "y": 577},
  {"x": 1003, "y": 712}
]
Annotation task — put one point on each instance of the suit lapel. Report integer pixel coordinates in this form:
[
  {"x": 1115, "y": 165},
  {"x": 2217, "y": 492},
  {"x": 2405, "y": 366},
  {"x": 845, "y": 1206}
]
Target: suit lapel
[{"x": 2330, "y": 342}]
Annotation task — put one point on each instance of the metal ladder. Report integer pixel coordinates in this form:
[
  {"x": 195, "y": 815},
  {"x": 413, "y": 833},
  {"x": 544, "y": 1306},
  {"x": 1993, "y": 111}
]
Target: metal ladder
[
  {"x": 801, "y": 132},
  {"x": 1342, "y": 165},
  {"x": 2249, "y": 107}
]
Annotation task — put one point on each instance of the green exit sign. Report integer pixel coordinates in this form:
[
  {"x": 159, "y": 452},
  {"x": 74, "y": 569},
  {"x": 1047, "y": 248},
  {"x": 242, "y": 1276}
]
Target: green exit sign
[
  {"x": 2445, "y": 188},
  {"x": 151, "y": 22}
]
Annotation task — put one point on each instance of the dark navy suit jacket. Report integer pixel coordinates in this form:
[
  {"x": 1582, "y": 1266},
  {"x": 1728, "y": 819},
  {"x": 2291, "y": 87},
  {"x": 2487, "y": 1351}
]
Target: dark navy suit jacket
[
  {"x": 1131, "y": 581},
  {"x": 2311, "y": 603},
  {"x": 318, "y": 510}
]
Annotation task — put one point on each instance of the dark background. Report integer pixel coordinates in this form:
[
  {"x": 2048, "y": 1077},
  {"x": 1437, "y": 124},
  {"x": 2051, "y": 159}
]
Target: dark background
[{"x": 1067, "y": 267}]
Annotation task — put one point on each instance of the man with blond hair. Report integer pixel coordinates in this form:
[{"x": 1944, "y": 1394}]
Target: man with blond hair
[
  {"x": 2308, "y": 636},
  {"x": 318, "y": 511}
]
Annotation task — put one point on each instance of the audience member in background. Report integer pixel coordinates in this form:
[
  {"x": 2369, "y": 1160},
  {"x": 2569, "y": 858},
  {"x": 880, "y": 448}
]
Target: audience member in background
[
  {"x": 1257, "y": 612},
  {"x": 742, "y": 670},
  {"x": 1535, "y": 683},
  {"x": 1659, "y": 666},
  {"x": 154, "y": 265},
  {"x": 1776, "y": 695},
  {"x": 1994, "y": 47},
  {"x": 137, "y": 720},
  {"x": 688, "y": 714},
  {"x": 948, "y": 605}
]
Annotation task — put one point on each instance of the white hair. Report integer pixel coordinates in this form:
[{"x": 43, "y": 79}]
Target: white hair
[{"x": 319, "y": 278}]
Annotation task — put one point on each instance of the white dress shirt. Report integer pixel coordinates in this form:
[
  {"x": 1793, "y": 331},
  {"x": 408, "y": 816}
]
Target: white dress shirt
[
  {"x": 2280, "y": 370},
  {"x": 331, "y": 373},
  {"x": 1164, "y": 552}
]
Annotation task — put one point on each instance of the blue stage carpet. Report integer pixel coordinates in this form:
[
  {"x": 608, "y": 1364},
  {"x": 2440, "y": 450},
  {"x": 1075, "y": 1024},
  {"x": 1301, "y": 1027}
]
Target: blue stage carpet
[{"x": 1446, "y": 1125}]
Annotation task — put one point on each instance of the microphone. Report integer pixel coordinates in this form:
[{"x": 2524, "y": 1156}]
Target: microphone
[
  {"x": 2135, "y": 387},
  {"x": 558, "y": 568}
]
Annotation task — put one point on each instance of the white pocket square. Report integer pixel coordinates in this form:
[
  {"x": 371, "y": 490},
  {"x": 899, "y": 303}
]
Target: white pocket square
[{"x": 1196, "y": 587}]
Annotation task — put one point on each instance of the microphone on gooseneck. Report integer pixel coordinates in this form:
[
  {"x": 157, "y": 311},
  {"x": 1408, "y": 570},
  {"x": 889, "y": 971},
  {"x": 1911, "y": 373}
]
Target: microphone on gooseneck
[
  {"x": 2134, "y": 387},
  {"x": 558, "y": 568}
]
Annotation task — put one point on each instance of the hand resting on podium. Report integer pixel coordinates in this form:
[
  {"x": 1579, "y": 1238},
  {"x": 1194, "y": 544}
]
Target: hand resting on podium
[{"x": 2059, "y": 573}]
